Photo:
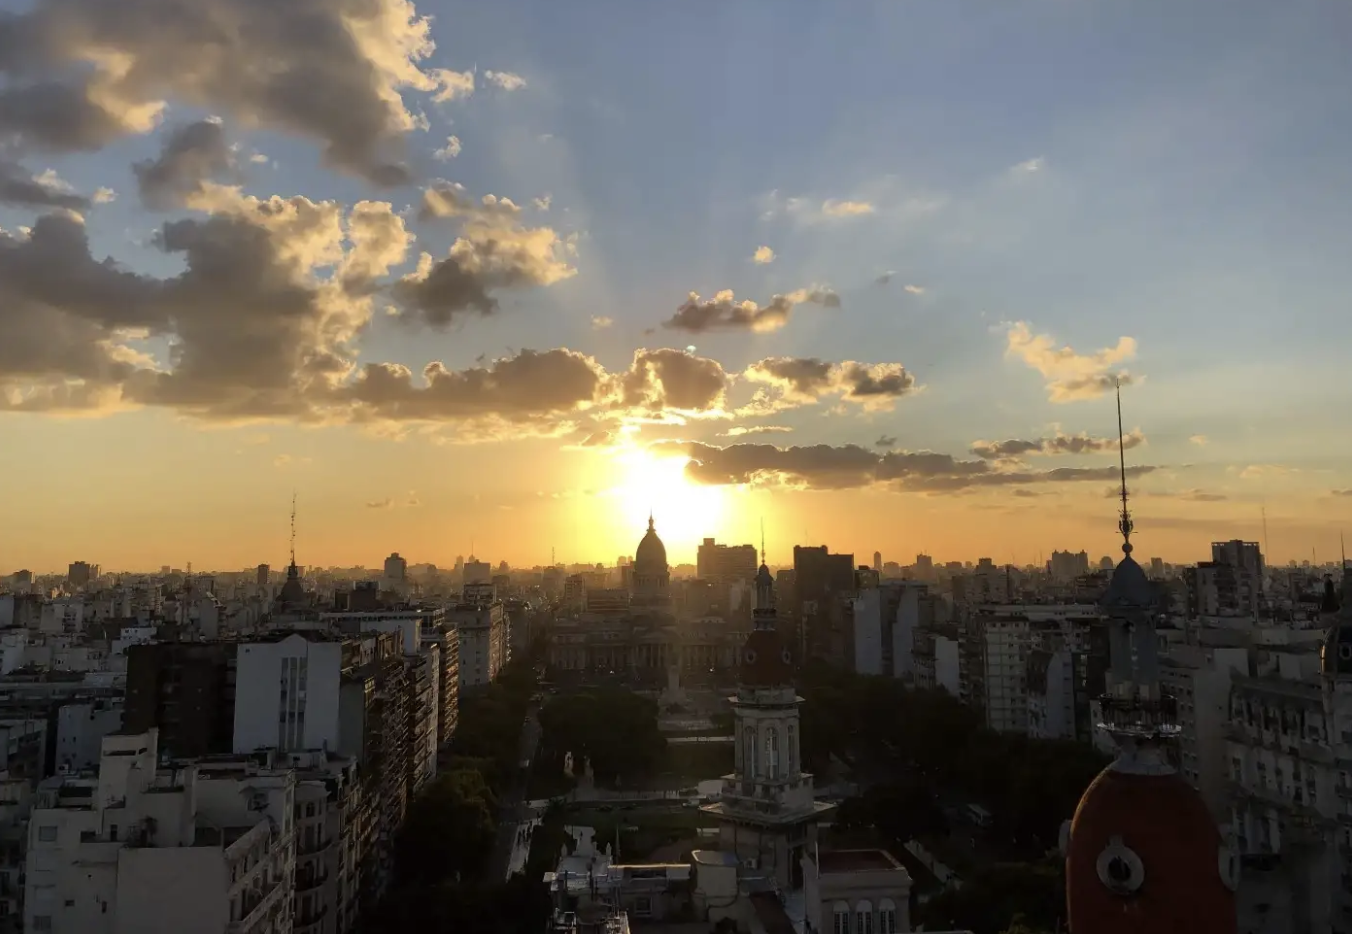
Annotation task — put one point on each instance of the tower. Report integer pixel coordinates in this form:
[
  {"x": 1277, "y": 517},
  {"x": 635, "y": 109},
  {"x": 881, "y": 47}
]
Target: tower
[
  {"x": 766, "y": 812},
  {"x": 1144, "y": 853}
]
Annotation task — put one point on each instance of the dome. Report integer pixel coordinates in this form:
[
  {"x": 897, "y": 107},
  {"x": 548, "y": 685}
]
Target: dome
[
  {"x": 1129, "y": 588},
  {"x": 651, "y": 552},
  {"x": 1144, "y": 854},
  {"x": 766, "y": 660},
  {"x": 1335, "y": 654}
]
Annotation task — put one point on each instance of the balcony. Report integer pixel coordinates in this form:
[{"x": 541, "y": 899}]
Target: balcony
[
  {"x": 307, "y": 882},
  {"x": 255, "y": 912},
  {"x": 317, "y": 848},
  {"x": 305, "y": 920}
]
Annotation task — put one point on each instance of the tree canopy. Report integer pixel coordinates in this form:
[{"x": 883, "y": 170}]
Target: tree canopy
[
  {"x": 614, "y": 728},
  {"x": 449, "y": 830},
  {"x": 1003, "y": 896}
]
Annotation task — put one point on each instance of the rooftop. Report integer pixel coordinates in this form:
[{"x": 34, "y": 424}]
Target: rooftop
[{"x": 870, "y": 860}]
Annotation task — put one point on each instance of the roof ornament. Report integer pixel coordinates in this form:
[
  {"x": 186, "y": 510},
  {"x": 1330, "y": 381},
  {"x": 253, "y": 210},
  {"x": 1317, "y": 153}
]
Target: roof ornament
[
  {"x": 293, "y": 528},
  {"x": 1124, "y": 524}
]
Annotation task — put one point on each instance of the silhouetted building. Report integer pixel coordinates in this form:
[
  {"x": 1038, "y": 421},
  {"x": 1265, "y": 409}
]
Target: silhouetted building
[{"x": 186, "y": 690}]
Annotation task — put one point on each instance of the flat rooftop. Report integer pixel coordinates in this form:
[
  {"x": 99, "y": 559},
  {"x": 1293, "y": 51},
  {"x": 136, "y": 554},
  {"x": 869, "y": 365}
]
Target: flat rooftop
[{"x": 870, "y": 860}]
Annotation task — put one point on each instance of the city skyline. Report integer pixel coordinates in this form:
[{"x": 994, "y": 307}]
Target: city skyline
[{"x": 525, "y": 287}]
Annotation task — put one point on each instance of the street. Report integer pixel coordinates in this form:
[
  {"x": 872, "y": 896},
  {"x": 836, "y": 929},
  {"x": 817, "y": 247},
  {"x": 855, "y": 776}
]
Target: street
[{"x": 511, "y": 811}]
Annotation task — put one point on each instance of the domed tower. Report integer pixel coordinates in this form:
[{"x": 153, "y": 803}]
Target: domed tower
[
  {"x": 650, "y": 581},
  {"x": 1144, "y": 854},
  {"x": 766, "y": 811}
]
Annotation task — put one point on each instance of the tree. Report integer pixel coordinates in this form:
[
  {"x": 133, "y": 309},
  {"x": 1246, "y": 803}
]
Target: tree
[
  {"x": 1031, "y": 893},
  {"x": 615, "y": 729},
  {"x": 448, "y": 831}
]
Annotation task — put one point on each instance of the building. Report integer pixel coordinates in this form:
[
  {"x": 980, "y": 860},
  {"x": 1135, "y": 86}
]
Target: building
[
  {"x": 262, "y": 574},
  {"x": 396, "y": 569},
  {"x": 185, "y": 691},
  {"x": 143, "y": 848},
  {"x": 887, "y": 619},
  {"x": 1005, "y": 672},
  {"x": 725, "y": 564},
  {"x": 650, "y": 577},
  {"x": 1066, "y": 566},
  {"x": 80, "y": 573},
  {"x": 1143, "y": 853},
  {"x": 820, "y": 581},
  {"x": 766, "y": 812},
  {"x": 480, "y": 622},
  {"x": 856, "y": 890}
]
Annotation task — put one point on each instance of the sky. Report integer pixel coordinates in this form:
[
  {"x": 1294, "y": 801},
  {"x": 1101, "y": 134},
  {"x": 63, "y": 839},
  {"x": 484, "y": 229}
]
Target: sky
[{"x": 502, "y": 279}]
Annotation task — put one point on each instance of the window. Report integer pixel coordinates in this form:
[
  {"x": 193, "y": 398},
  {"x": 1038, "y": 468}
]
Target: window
[
  {"x": 792, "y": 743},
  {"x": 47, "y": 834},
  {"x": 42, "y": 922},
  {"x": 863, "y": 918},
  {"x": 841, "y": 915},
  {"x": 749, "y": 753},
  {"x": 887, "y": 917},
  {"x": 772, "y": 753}
]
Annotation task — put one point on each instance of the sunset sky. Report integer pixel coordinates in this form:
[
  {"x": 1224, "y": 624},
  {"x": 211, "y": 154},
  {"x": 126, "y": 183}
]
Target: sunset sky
[{"x": 505, "y": 276}]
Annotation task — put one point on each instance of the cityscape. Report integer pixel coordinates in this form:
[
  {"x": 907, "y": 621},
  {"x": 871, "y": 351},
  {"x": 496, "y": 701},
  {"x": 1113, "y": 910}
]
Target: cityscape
[{"x": 745, "y": 468}]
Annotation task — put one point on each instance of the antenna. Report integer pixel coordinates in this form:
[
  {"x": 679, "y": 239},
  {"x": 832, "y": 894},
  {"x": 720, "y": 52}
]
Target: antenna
[
  {"x": 293, "y": 528},
  {"x": 763, "y": 561},
  {"x": 1124, "y": 525},
  {"x": 1263, "y": 512},
  {"x": 1342, "y": 546}
]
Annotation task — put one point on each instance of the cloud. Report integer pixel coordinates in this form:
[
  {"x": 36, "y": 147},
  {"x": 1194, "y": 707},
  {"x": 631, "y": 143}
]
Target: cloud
[
  {"x": 763, "y": 256},
  {"x": 386, "y": 503},
  {"x": 543, "y": 202},
  {"x": 1056, "y": 444},
  {"x": 1189, "y": 496},
  {"x": 86, "y": 72},
  {"x": 1070, "y": 376},
  {"x": 724, "y": 313},
  {"x": 450, "y": 150},
  {"x": 884, "y": 278},
  {"x": 286, "y": 461},
  {"x": 601, "y": 322},
  {"x": 450, "y": 85},
  {"x": 743, "y": 430},
  {"x": 20, "y": 188},
  {"x": 493, "y": 252},
  {"x": 253, "y": 328},
  {"x": 444, "y": 200},
  {"x": 1199, "y": 440},
  {"x": 806, "y": 380},
  {"x": 833, "y": 208},
  {"x": 598, "y": 439},
  {"x": 412, "y": 502},
  {"x": 1029, "y": 167},
  {"x": 103, "y": 196},
  {"x": 1264, "y": 471},
  {"x": 914, "y": 289},
  {"x": 662, "y": 380},
  {"x": 885, "y": 441},
  {"x": 506, "y": 80},
  {"x": 824, "y": 467},
  {"x": 192, "y": 155},
  {"x": 1341, "y": 492}
]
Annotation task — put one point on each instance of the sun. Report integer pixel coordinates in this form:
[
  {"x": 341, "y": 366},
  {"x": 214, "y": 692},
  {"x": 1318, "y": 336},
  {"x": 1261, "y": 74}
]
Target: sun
[{"x": 685, "y": 511}]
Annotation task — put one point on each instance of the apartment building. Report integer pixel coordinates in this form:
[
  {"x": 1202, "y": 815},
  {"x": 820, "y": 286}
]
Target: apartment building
[
  {"x": 485, "y": 646},
  {"x": 143, "y": 848}
]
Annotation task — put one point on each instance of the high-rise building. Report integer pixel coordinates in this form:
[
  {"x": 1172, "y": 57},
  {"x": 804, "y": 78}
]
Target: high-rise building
[
  {"x": 261, "y": 575},
  {"x": 80, "y": 573},
  {"x": 186, "y": 691},
  {"x": 725, "y": 564},
  {"x": 878, "y": 561},
  {"x": 396, "y": 568},
  {"x": 820, "y": 579}
]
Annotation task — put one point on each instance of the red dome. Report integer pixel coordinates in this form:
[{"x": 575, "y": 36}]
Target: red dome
[
  {"x": 766, "y": 660},
  {"x": 1145, "y": 856}
]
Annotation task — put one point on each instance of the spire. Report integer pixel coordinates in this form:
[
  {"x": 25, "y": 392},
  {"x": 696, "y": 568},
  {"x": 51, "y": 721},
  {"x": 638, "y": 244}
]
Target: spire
[
  {"x": 293, "y": 528},
  {"x": 650, "y": 521},
  {"x": 763, "y": 560},
  {"x": 1124, "y": 524}
]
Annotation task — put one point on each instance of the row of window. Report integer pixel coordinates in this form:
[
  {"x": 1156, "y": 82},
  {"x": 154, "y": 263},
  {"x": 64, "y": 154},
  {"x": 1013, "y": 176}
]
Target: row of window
[{"x": 860, "y": 920}]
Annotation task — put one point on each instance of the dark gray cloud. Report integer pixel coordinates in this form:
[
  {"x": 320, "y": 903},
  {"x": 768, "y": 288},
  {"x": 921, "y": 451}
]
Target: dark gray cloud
[
  {"x": 659, "y": 380},
  {"x": 82, "y": 73},
  {"x": 827, "y": 467},
  {"x": 1054, "y": 445},
  {"x": 1342, "y": 492},
  {"x": 493, "y": 253},
  {"x": 1189, "y": 496},
  {"x": 252, "y": 331},
  {"x": 804, "y": 380},
  {"x": 192, "y": 154},
  {"x": 20, "y": 188},
  {"x": 885, "y": 441},
  {"x": 724, "y": 313}
]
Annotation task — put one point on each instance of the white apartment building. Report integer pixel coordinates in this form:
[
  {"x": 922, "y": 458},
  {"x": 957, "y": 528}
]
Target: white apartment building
[
  {"x": 160, "y": 851},
  {"x": 1199, "y": 680},
  {"x": 1050, "y": 685},
  {"x": 1005, "y": 664},
  {"x": 485, "y": 645},
  {"x": 886, "y": 619},
  {"x": 80, "y": 728},
  {"x": 292, "y": 703}
]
